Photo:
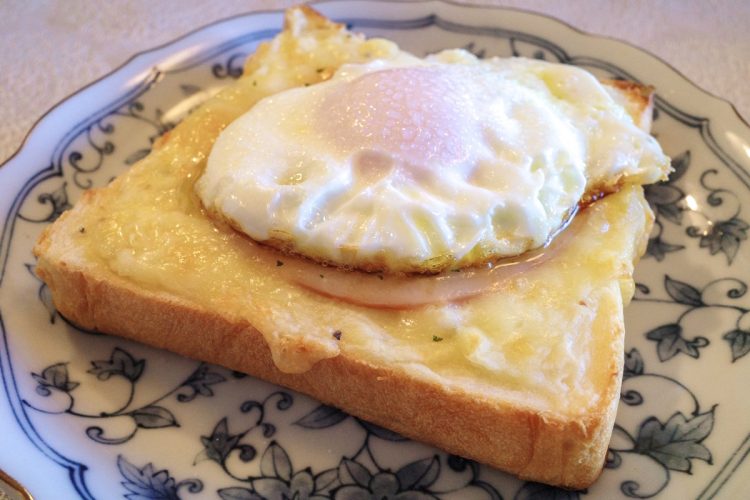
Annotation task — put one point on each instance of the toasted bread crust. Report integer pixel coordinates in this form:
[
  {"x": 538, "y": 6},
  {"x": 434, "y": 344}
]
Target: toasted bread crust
[
  {"x": 637, "y": 98},
  {"x": 544, "y": 447}
]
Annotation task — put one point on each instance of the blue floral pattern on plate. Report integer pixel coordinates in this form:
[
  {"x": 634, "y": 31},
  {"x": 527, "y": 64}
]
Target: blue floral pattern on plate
[{"x": 142, "y": 423}]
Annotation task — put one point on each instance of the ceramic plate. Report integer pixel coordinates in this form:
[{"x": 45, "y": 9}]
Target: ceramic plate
[{"x": 99, "y": 417}]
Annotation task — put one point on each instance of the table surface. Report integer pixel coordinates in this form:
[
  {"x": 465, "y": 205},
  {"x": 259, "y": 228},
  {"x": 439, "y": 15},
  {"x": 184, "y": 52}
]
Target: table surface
[{"x": 53, "y": 48}]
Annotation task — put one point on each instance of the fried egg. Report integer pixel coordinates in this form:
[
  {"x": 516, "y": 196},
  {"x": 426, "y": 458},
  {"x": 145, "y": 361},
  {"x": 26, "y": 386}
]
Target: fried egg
[{"x": 423, "y": 165}]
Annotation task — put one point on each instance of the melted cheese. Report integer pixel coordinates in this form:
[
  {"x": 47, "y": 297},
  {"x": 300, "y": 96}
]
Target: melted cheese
[{"x": 526, "y": 340}]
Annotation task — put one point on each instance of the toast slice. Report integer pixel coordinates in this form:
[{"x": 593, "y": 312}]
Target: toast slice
[{"x": 523, "y": 376}]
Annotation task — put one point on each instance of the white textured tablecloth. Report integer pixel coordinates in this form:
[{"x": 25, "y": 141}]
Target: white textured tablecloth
[{"x": 50, "y": 49}]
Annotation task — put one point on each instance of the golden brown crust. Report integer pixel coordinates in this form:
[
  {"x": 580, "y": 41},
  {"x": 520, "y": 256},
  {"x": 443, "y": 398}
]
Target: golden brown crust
[
  {"x": 637, "y": 98},
  {"x": 544, "y": 447}
]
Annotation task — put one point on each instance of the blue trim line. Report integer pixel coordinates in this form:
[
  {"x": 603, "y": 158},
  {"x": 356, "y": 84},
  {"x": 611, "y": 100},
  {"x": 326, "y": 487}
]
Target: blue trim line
[
  {"x": 75, "y": 469},
  {"x": 727, "y": 470}
]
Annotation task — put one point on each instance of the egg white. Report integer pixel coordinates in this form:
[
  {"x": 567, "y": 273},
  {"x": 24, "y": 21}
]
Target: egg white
[{"x": 421, "y": 165}]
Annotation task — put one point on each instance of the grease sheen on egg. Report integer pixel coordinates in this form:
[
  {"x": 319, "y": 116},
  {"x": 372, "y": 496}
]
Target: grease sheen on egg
[{"x": 423, "y": 165}]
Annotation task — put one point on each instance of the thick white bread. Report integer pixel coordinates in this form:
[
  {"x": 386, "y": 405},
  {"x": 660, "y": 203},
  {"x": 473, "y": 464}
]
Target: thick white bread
[
  {"x": 555, "y": 438},
  {"x": 542, "y": 446}
]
